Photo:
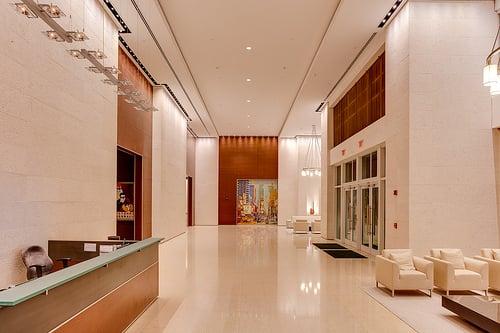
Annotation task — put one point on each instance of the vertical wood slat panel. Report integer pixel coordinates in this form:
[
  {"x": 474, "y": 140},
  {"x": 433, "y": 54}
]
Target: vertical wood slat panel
[{"x": 362, "y": 105}]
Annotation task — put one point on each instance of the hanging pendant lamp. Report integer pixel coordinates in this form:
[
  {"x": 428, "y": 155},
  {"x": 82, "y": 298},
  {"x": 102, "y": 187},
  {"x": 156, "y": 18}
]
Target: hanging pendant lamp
[
  {"x": 312, "y": 166},
  {"x": 491, "y": 76}
]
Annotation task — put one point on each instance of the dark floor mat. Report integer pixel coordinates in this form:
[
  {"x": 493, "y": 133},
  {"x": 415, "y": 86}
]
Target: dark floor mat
[
  {"x": 345, "y": 254},
  {"x": 333, "y": 246}
]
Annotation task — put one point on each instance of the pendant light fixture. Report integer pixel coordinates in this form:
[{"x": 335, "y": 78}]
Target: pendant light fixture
[
  {"x": 313, "y": 157},
  {"x": 491, "y": 76}
]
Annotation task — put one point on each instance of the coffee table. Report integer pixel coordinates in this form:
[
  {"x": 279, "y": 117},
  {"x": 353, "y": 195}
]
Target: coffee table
[{"x": 482, "y": 311}]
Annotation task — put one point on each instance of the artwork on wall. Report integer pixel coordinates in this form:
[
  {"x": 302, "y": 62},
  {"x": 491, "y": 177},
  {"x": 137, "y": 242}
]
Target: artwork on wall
[
  {"x": 257, "y": 201},
  {"x": 125, "y": 201}
]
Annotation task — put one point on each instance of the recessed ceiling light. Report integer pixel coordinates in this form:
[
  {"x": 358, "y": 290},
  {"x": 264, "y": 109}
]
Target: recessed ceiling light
[
  {"x": 248, "y": 101},
  {"x": 248, "y": 126},
  {"x": 248, "y": 79},
  {"x": 248, "y": 48},
  {"x": 248, "y": 115}
]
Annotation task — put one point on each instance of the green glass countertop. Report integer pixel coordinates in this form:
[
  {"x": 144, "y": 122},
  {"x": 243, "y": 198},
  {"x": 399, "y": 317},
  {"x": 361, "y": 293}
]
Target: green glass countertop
[{"x": 32, "y": 288}]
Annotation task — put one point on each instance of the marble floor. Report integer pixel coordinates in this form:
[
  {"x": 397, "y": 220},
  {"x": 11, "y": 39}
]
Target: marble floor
[{"x": 261, "y": 279}]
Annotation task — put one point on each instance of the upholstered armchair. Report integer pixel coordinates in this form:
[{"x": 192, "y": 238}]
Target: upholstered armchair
[
  {"x": 492, "y": 257},
  {"x": 37, "y": 262},
  {"x": 398, "y": 269},
  {"x": 300, "y": 226},
  {"x": 453, "y": 271},
  {"x": 316, "y": 226}
]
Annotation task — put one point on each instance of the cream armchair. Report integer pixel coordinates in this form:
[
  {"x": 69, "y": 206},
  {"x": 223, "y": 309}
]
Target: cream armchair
[
  {"x": 492, "y": 257},
  {"x": 398, "y": 269},
  {"x": 300, "y": 226},
  {"x": 453, "y": 271},
  {"x": 316, "y": 226}
]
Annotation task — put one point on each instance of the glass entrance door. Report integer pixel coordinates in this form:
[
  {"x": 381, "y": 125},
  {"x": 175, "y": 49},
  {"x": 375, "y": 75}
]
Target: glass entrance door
[
  {"x": 370, "y": 218},
  {"x": 350, "y": 216}
]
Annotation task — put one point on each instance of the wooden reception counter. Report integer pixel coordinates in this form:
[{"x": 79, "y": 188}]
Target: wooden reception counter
[{"x": 102, "y": 294}]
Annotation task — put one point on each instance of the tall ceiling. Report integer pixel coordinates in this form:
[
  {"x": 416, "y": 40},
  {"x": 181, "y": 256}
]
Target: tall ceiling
[
  {"x": 283, "y": 35},
  {"x": 299, "y": 50}
]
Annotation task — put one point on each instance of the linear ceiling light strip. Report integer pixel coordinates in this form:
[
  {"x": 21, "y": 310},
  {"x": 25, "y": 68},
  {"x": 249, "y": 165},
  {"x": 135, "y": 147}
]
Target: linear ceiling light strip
[
  {"x": 390, "y": 13},
  {"x": 143, "y": 68},
  {"x": 169, "y": 64},
  {"x": 330, "y": 23},
  {"x": 134, "y": 57},
  {"x": 187, "y": 65},
  {"x": 117, "y": 16}
]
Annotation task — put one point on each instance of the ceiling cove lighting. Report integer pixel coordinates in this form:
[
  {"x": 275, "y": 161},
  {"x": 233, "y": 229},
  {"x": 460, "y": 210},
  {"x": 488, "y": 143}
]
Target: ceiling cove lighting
[
  {"x": 313, "y": 157},
  {"x": 491, "y": 76},
  {"x": 389, "y": 14}
]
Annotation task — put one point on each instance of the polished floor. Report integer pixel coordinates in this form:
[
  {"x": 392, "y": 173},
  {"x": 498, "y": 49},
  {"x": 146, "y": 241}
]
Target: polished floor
[{"x": 261, "y": 279}]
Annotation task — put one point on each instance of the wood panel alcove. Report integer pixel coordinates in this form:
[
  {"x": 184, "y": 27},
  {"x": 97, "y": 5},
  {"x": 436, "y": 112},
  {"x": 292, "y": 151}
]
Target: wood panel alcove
[
  {"x": 243, "y": 157},
  {"x": 135, "y": 130}
]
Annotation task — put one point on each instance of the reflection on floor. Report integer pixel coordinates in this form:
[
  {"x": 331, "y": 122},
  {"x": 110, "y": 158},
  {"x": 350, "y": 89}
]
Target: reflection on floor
[{"x": 261, "y": 279}]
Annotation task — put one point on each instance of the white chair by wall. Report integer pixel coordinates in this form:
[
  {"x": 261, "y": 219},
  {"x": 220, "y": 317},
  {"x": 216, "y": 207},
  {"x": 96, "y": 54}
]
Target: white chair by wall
[
  {"x": 398, "y": 269},
  {"x": 492, "y": 257},
  {"x": 453, "y": 271},
  {"x": 316, "y": 226},
  {"x": 301, "y": 226},
  {"x": 289, "y": 224}
]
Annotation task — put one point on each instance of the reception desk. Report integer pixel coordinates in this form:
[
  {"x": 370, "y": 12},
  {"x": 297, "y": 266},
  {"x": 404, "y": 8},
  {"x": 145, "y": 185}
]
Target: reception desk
[{"x": 102, "y": 294}]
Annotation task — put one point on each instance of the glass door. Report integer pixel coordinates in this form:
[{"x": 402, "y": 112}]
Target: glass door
[
  {"x": 370, "y": 218},
  {"x": 350, "y": 216},
  {"x": 365, "y": 216}
]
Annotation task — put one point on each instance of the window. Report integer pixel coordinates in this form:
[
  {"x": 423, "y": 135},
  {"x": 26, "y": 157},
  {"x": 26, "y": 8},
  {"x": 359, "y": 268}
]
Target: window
[
  {"x": 350, "y": 171},
  {"x": 369, "y": 165}
]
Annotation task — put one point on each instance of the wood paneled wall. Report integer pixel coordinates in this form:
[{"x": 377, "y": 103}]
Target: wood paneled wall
[
  {"x": 135, "y": 134},
  {"x": 245, "y": 157},
  {"x": 362, "y": 105}
]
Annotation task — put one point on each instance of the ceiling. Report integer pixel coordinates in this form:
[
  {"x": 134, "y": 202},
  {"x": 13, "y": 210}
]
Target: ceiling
[{"x": 299, "y": 51}]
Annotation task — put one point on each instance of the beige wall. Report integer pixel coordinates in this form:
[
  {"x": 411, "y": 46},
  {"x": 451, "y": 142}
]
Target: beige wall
[
  {"x": 169, "y": 167},
  {"x": 287, "y": 179},
  {"x": 57, "y": 136},
  {"x": 452, "y": 176},
  {"x": 206, "y": 202},
  {"x": 296, "y": 194},
  {"x": 437, "y": 128},
  {"x": 391, "y": 130},
  {"x": 309, "y": 188},
  {"x": 191, "y": 156}
]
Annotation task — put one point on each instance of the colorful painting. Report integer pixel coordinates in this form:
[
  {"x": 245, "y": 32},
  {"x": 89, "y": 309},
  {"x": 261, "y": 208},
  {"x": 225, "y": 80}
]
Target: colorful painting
[{"x": 257, "y": 201}]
